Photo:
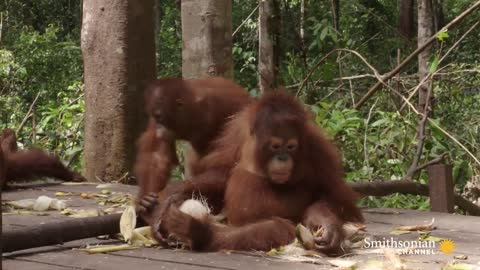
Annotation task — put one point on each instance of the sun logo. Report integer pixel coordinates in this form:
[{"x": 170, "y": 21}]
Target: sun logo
[{"x": 447, "y": 246}]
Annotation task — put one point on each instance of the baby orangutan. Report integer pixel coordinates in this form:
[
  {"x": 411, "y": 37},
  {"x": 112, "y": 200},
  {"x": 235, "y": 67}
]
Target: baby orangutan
[{"x": 274, "y": 168}]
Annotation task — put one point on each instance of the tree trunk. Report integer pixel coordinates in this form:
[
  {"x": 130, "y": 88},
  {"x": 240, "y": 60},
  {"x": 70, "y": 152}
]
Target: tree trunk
[
  {"x": 336, "y": 14},
  {"x": 302, "y": 23},
  {"x": 303, "y": 49},
  {"x": 406, "y": 18},
  {"x": 3, "y": 171},
  {"x": 425, "y": 31},
  {"x": 207, "y": 38},
  {"x": 157, "y": 15},
  {"x": 119, "y": 58},
  {"x": 438, "y": 17},
  {"x": 268, "y": 47}
]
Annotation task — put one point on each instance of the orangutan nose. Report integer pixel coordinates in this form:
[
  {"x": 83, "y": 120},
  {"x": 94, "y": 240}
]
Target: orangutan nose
[{"x": 283, "y": 157}]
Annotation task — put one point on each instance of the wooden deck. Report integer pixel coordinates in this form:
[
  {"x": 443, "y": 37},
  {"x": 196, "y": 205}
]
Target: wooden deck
[{"x": 464, "y": 231}]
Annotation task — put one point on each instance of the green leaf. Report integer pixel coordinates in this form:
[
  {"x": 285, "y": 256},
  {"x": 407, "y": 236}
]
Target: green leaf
[
  {"x": 324, "y": 33},
  {"x": 379, "y": 122},
  {"x": 434, "y": 65},
  {"x": 394, "y": 161},
  {"x": 442, "y": 35}
]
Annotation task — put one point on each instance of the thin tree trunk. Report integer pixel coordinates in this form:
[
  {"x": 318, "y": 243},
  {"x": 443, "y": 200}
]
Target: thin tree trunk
[
  {"x": 268, "y": 47},
  {"x": 119, "y": 58},
  {"x": 406, "y": 18},
  {"x": 302, "y": 22},
  {"x": 438, "y": 17},
  {"x": 425, "y": 31},
  {"x": 3, "y": 172},
  {"x": 336, "y": 14},
  {"x": 207, "y": 38},
  {"x": 158, "y": 14},
  {"x": 303, "y": 49}
]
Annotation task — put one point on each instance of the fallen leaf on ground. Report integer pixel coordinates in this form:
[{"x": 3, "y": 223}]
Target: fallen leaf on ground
[
  {"x": 424, "y": 227},
  {"x": 79, "y": 183},
  {"x": 83, "y": 213},
  {"x": 103, "y": 186},
  {"x": 461, "y": 257},
  {"x": 61, "y": 193},
  {"x": 108, "y": 248},
  {"x": 428, "y": 237},
  {"x": 397, "y": 232},
  {"x": 460, "y": 266},
  {"x": 343, "y": 263}
]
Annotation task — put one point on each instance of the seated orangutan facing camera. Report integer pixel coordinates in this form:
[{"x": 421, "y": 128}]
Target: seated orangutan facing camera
[
  {"x": 190, "y": 110},
  {"x": 274, "y": 168}
]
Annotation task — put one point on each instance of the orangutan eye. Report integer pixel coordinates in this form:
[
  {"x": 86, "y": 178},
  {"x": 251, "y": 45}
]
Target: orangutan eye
[
  {"x": 179, "y": 102},
  {"x": 275, "y": 146},
  {"x": 292, "y": 145}
]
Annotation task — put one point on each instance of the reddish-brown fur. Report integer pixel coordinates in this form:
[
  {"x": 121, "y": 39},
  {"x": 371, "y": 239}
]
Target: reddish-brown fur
[
  {"x": 156, "y": 157},
  {"x": 195, "y": 110},
  {"x": 260, "y": 213},
  {"x": 8, "y": 141},
  {"x": 192, "y": 110},
  {"x": 3, "y": 168},
  {"x": 29, "y": 164}
]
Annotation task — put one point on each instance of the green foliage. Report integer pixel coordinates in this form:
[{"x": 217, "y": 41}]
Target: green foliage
[
  {"x": 49, "y": 62},
  {"x": 397, "y": 201},
  {"x": 384, "y": 147},
  {"x": 372, "y": 150},
  {"x": 168, "y": 40},
  {"x": 40, "y": 15},
  {"x": 245, "y": 66},
  {"x": 49, "y": 66}
]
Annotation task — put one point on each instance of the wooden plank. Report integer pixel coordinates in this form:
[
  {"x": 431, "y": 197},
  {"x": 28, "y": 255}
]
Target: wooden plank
[
  {"x": 465, "y": 243},
  {"x": 25, "y": 264},
  {"x": 58, "y": 186},
  {"x": 467, "y": 224},
  {"x": 440, "y": 183},
  {"x": 81, "y": 260},
  {"x": 67, "y": 246},
  {"x": 50, "y": 191},
  {"x": 159, "y": 256},
  {"x": 220, "y": 259},
  {"x": 463, "y": 230},
  {"x": 89, "y": 188},
  {"x": 12, "y": 221}
]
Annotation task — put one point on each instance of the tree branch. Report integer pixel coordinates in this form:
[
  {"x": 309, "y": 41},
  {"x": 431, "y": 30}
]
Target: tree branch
[
  {"x": 375, "y": 72},
  {"x": 412, "y": 56},
  {"x": 421, "y": 136},
  {"x": 245, "y": 21},
  {"x": 431, "y": 74},
  {"x": 431, "y": 162},
  {"x": 29, "y": 113},
  {"x": 384, "y": 188}
]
